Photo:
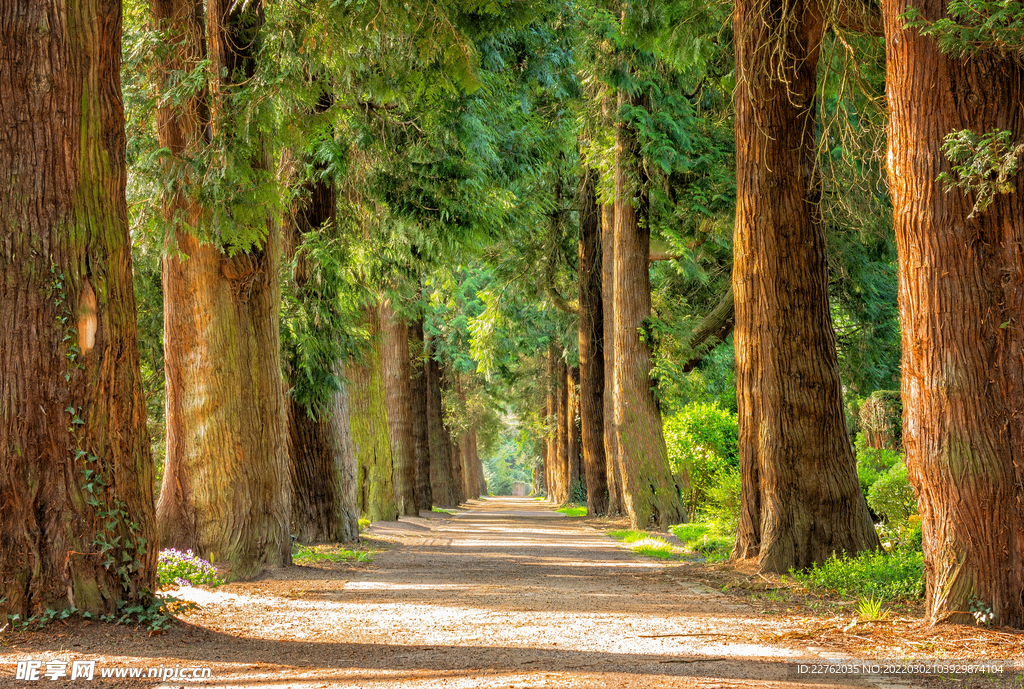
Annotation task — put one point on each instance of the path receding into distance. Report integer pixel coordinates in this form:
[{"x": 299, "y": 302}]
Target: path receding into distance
[{"x": 508, "y": 593}]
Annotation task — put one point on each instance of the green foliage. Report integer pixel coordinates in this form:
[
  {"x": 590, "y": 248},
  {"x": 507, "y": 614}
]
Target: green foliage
[
  {"x": 973, "y": 26},
  {"x": 702, "y": 446},
  {"x": 984, "y": 164},
  {"x": 709, "y": 539},
  {"x": 872, "y": 463},
  {"x": 898, "y": 575},
  {"x": 892, "y": 496}
]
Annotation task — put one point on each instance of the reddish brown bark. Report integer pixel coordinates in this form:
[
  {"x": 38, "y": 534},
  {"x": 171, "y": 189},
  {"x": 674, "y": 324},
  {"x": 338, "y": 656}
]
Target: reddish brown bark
[
  {"x": 801, "y": 500},
  {"x": 398, "y": 389},
  {"x": 613, "y": 470},
  {"x": 961, "y": 306},
  {"x": 421, "y": 440},
  {"x": 591, "y": 336},
  {"x": 649, "y": 491},
  {"x": 71, "y": 397},
  {"x": 226, "y": 489},
  {"x": 442, "y": 482}
]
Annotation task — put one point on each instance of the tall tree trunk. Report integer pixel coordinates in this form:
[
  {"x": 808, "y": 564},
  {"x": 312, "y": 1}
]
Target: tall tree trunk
[
  {"x": 449, "y": 386},
  {"x": 324, "y": 472},
  {"x": 226, "y": 491},
  {"x": 961, "y": 306},
  {"x": 574, "y": 445},
  {"x": 322, "y": 460},
  {"x": 562, "y": 437},
  {"x": 398, "y": 388},
  {"x": 421, "y": 438},
  {"x": 592, "y": 363},
  {"x": 370, "y": 434},
  {"x": 649, "y": 492},
  {"x": 613, "y": 468},
  {"x": 801, "y": 500},
  {"x": 442, "y": 483},
  {"x": 73, "y": 440}
]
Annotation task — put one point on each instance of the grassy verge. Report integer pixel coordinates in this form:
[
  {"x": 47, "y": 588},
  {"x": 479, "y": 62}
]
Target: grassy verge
[{"x": 573, "y": 510}]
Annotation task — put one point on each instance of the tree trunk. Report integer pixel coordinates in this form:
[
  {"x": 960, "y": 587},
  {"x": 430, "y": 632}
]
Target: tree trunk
[
  {"x": 324, "y": 472},
  {"x": 449, "y": 386},
  {"x": 592, "y": 348},
  {"x": 398, "y": 388},
  {"x": 421, "y": 438},
  {"x": 226, "y": 492},
  {"x": 613, "y": 469},
  {"x": 649, "y": 491},
  {"x": 574, "y": 444},
  {"x": 801, "y": 500},
  {"x": 322, "y": 460},
  {"x": 562, "y": 432},
  {"x": 370, "y": 435},
  {"x": 961, "y": 306},
  {"x": 442, "y": 484},
  {"x": 73, "y": 440}
]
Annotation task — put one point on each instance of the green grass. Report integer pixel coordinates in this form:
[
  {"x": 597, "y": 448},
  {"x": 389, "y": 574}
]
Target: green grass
[
  {"x": 307, "y": 555},
  {"x": 573, "y": 510},
  {"x": 643, "y": 543},
  {"x": 706, "y": 538},
  {"x": 898, "y": 575}
]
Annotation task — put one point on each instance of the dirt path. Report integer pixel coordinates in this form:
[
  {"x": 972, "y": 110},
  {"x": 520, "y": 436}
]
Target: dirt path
[{"x": 506, "y": 594}]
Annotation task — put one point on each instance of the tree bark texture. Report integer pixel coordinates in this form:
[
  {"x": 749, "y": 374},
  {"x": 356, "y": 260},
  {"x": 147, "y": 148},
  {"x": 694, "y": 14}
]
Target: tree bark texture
[
  {"x": 962, "y": 316},
  {"x": 226, "y": 492},
  {"x": 398, "y": 388},
  {"x": 73, "y": 440},
  {"x": 322, "y": 459},
  {"x": 574, "y": 446},
  {"x": 613, "y": 469},
  {"x": 370, "y": 434},
  {"x": 449, "y": 386},
  {"x": 801, "y": 500},
  {"x": 324, "y": 472},
  {"x": 442, "y": 483},
  {"x": 421, "y": 438},
  {"x": 649, "y": 491},
  {"x": 592, "y": 364},
  {"x": 561, "y": 474}
]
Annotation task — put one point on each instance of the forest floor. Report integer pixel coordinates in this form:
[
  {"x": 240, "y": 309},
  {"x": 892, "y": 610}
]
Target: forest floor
[{"x": 509, "y": 593}]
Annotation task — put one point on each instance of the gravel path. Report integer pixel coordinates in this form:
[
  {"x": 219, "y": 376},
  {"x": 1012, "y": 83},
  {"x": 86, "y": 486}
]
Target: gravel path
[{"x": 505, "y": 594}]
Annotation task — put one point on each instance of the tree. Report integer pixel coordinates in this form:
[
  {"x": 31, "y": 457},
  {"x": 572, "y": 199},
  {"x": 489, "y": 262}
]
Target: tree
[
  {"x": 801, "y": 501},
  {"x": 649, "y": 491},
  {"x": 591, "y": 334},
  {"x": 961, "y": 300},
  {"x": 76, "y": 473},
  {"x": 370, "y": 429},
  {"x": 225, "y": 491},
  {"x": 398, "y": 387}
]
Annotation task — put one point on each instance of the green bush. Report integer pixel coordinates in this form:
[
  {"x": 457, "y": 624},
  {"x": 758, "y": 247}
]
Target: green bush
[
  {"x": 898, "y": 575},
  {"x": 724, "y": 500},
  {"x": 702, "y": 441},
  {"x": 892, "y": 496},
  {"x": 873, "y": 463}
]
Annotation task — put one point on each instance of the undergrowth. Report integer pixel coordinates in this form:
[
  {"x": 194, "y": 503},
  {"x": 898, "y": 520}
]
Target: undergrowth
[{"x": 897, "y": 575}]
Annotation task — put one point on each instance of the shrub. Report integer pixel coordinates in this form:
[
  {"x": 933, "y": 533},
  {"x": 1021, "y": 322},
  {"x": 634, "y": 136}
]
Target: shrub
[
  {"x": 872, "y": 462},
  {"x": 898, "y": 575},
  {"x": 724, "y": 499},
  {"x": 185, "y": 569},
  {"x": 702, "y": 443},
  {"x": 892, "y": 496}
]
